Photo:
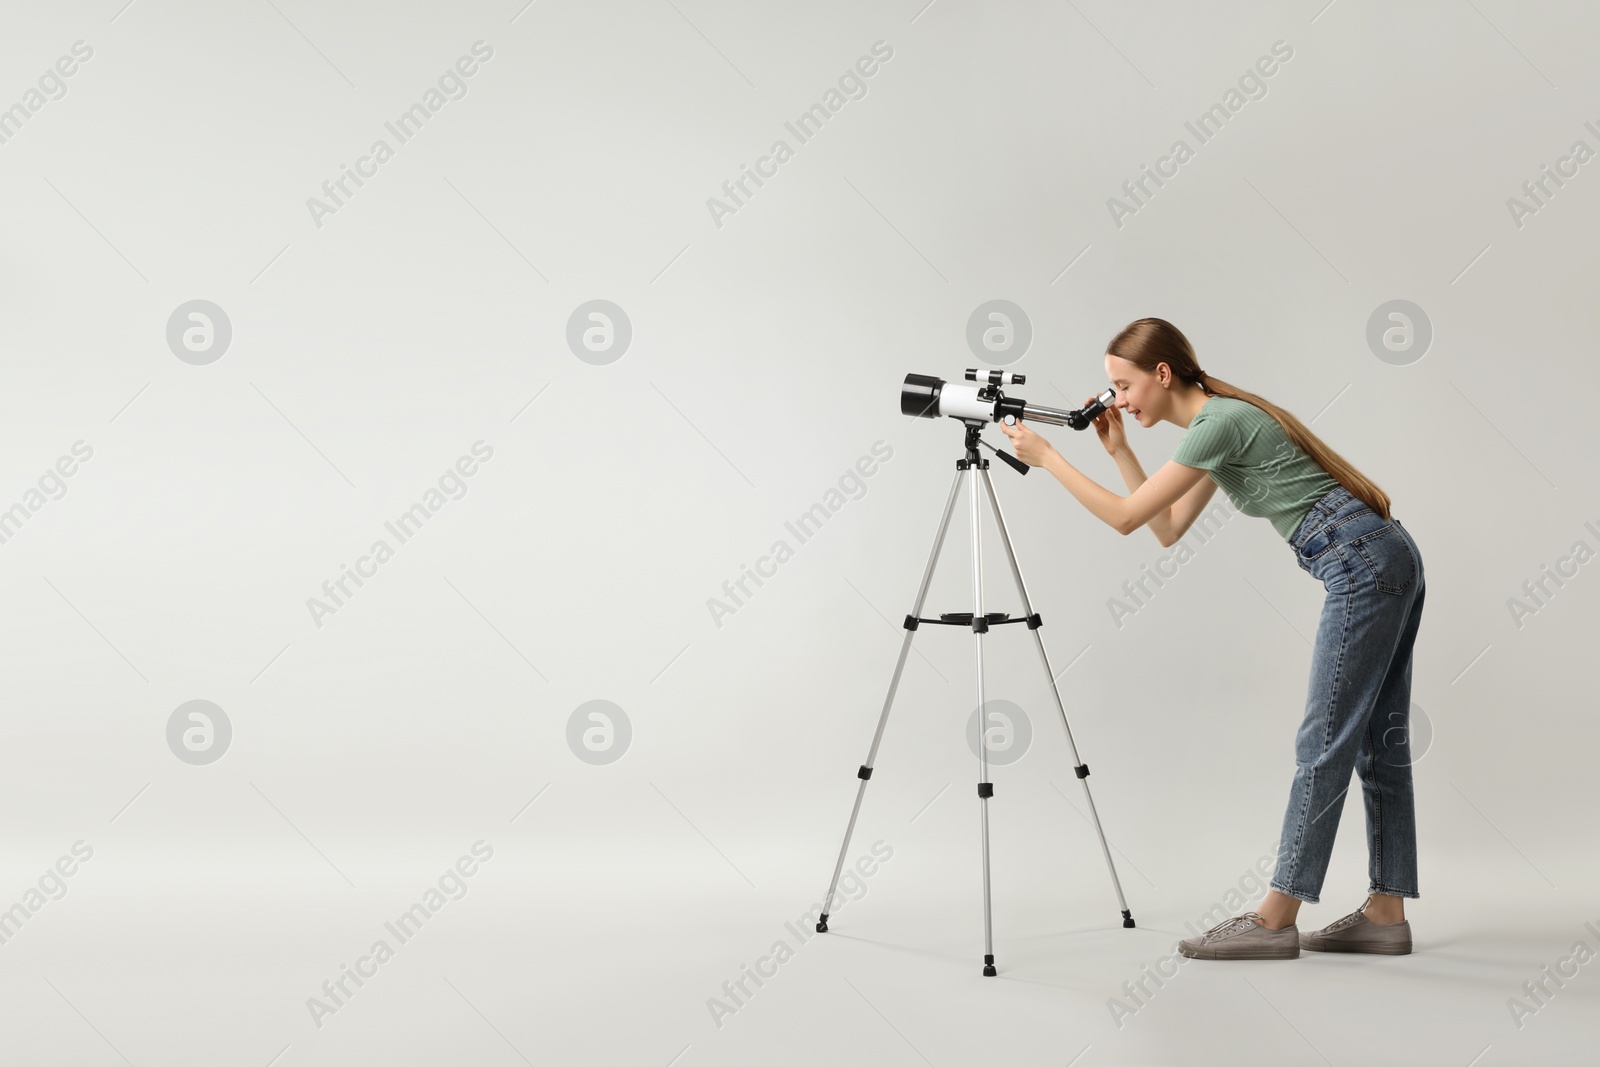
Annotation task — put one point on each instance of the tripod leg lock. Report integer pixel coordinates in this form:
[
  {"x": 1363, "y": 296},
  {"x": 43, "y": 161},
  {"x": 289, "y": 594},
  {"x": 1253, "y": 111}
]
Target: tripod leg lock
[
  {"x": 864, "y": 772},
  {"x": 985, "y": 789},
  {"x": 1034, "y": 621},
  {"x": 911, "y": 622},
  {"x": 1081, "y": 770},
  {"x": 980, "y": 624}
]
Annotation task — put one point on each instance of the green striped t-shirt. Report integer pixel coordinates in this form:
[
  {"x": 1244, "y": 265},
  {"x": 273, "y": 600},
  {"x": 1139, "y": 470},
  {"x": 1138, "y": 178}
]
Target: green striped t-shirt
[{"x": 1252, "y": 459}]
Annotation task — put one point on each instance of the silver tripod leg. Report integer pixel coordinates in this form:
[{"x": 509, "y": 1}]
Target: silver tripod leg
[
  {"x": 980, "y": 626},
  {"x": 1079, "y": 767},
  {"x": 865, "y": 772}
]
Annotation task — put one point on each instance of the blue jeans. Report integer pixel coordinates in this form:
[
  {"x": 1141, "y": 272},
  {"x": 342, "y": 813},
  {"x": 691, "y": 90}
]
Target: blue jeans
[{"x": 1358, "y": 708}]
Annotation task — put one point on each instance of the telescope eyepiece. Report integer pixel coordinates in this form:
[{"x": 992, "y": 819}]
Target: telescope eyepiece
[{"x": 1089, "y": 412}]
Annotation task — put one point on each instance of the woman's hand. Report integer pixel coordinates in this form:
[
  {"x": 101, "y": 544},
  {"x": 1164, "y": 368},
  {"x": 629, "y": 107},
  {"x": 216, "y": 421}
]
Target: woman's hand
[
  {"x": 1108, "y": 424},
  {"x": 1029, "y": 447}
]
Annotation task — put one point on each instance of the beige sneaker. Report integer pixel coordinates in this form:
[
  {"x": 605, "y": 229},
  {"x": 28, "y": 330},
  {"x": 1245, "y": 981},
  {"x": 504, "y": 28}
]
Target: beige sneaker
[
  {"x": 1354, "y": 933},
  {"x": 1243, "y": 938}
]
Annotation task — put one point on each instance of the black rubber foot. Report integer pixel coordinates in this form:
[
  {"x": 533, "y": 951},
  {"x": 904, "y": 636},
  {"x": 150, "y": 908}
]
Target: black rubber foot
[
  {"x": 822, "y": 928},
  {"x": 1127, "y": 920},
  {"x": 988, "y": 970}
]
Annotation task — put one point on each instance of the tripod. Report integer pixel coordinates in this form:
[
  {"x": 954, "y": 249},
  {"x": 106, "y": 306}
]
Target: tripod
[{"x": 975, "y": 469}]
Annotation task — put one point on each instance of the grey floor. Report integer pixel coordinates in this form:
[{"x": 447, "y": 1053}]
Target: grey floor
[{"x": 559, "y": 949}]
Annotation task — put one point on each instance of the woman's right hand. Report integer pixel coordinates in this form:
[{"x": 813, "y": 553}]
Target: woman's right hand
[{"x": 1108, "y": 424}]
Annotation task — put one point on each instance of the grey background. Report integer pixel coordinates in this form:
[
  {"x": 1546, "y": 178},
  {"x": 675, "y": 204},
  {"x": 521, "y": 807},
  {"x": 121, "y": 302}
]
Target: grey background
[{"x": 432, "y": 710}]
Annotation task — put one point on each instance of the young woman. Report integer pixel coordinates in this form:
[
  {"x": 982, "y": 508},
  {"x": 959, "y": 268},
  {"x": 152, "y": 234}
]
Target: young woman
[{"x": 1338, "y": 524}]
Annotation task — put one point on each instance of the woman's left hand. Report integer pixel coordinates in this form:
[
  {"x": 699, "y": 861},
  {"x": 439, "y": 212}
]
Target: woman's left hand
[{"x": 1029, "y": 447}]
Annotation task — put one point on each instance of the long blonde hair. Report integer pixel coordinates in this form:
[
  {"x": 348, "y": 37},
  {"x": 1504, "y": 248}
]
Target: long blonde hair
[{"x": 1148, "y": 342}]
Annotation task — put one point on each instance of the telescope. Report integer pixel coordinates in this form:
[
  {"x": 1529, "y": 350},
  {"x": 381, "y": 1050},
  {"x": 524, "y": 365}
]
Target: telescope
[
  {"x": 982, "y": 401},
  {"x": 978, "y": 402}
]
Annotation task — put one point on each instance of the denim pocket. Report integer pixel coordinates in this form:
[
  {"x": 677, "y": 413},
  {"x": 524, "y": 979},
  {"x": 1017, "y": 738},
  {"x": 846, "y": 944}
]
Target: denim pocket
[
  {"x": 1388, "y": 557},
  {"x": 1328, "y": 529},
  {"x": 1319, "y": 542}
]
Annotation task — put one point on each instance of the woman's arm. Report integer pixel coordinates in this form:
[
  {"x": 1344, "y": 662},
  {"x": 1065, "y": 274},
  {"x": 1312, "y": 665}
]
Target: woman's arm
[
  {"x": 1126, "y": 514},
  {"x": 1174, "y": 522}
]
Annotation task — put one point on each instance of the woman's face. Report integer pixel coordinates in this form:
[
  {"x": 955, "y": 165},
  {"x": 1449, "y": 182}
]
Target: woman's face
[{"x": 1139, "y": 393}]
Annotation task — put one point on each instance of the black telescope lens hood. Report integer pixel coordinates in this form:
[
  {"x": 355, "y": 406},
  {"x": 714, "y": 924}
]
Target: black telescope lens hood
[{"x": 919, "y": 396}]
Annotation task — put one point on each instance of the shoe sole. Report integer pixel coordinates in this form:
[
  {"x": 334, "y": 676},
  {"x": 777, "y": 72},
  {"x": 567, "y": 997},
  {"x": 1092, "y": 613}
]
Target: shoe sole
[
  {"x": 1245, "y": 955},
  {"x": 1317, "y": 944}
]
